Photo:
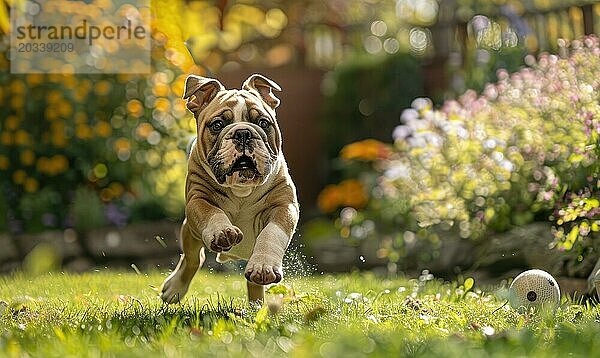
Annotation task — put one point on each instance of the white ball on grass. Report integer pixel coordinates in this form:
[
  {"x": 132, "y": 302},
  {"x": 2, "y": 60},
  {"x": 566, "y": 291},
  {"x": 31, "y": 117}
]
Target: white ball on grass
[{"x": 534, "y": 288}]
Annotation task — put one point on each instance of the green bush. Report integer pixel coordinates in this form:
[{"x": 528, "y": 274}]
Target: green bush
[
  {"x": 365, "y": 97},
  {"x": 118, "y": 139},
  {"x": 481, "y": 67}
]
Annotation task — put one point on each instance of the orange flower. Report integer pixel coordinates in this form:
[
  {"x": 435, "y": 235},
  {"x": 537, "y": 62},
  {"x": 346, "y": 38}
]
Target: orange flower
[
  {"x": 366, "y": 150},
  {"x": 329, "y": 199},
  {"x": 347, "y": 193},
  {"x": 353, "y": 193}
]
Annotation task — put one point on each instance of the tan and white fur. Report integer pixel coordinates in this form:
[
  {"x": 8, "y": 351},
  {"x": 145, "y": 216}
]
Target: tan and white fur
[{"x": 240, "y": 199}]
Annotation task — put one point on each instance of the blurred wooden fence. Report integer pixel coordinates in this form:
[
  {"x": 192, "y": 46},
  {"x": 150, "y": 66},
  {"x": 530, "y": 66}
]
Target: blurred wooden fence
[{"x": 536, "y": 30}]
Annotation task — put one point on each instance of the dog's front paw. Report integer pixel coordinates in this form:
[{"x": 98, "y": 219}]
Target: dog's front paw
[
  {"x": 259, "y": 271},
  {"x": 225, "y": 239},
  {"x": 173, "y": 289}
]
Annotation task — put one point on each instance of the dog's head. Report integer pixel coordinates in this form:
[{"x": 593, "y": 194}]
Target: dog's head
[{"x": 238, "y": 134}]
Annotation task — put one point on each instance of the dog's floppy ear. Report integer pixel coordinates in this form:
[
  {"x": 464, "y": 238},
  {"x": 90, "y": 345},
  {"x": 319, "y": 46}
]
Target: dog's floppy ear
[
  {"x": 264, "y": 87},
  {"x": 199, "y": 91}
]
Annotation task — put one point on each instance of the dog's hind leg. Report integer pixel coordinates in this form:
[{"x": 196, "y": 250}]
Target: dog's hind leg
[
  {"x": 256, "y": 293},
  {"x": 177, "y": 284}
]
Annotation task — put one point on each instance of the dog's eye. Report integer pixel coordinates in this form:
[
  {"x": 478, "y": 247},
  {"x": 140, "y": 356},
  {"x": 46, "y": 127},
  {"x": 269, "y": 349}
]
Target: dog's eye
[
  {"x": 263, "y": 123},
  {"x": 217, "y": 125}
]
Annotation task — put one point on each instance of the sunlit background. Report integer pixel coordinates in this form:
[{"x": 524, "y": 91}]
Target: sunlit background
[{"x": 389, "y": 166}]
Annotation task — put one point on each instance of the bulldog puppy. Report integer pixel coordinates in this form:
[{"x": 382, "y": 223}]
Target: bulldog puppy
[{"x": 240, "y": 199}]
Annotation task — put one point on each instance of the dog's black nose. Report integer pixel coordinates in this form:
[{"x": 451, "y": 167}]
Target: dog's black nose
[{"x": 242, "y": 135}]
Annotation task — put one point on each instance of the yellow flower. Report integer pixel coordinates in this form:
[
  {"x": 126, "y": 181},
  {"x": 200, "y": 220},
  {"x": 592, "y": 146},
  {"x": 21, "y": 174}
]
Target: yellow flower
[
  {"x": 53, "y": 96},
  {"x": 144, "y": 130},
  {"x": 19, "y": 176},
  {"x": 4, "y": 162},
  {"x": 52, "y": 166},
  {"x": 161, "y": 90},
  {"x": 22, "y": 138},
  {"x": 6, "y": 138},
  {"x": 42, "y": 165},
  {"x": 102, "y": 88},
  {"x": 367, "y": 150},
  {"x": 27, "y": 157},
  {"x": 34, "y": 79},
  {"x": 103, "y": 129},
  {"x": 70, "y": 81},
  {"x": 117, "y": 189},
  {"x": 83, "y": 131},
  {"x": 122, "y": 144},
  {"x": 162, "y": 104},
  {"x": 58, "y": 134},
  {"x": 17, "y": 87},
  {"x": 123, "y": 77},
  {"x": 17, "y": 102},
  {"x": 135, "y": 108},
  {"x": 59, "y": 164},
  {"x": 177, "y": 85},
  {"x": 31, "y": 185},
  {"x": 81, "y": 117},
  {"x": 65, "y": 108},
  {"x": 50, "y": 113},
  {"x": 12, "y": 122}
]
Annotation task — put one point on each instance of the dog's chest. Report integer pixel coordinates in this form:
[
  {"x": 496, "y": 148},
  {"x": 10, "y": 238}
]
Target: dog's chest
[{"x": 244, "y": 216}]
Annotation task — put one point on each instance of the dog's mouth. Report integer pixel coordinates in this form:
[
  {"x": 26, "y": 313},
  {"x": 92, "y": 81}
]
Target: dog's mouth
[{"x": 245, "y": 166}]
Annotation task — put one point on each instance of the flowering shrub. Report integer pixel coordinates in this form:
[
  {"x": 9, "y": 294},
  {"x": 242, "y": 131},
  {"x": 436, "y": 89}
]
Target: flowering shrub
[
  {"x": 88, "y": 150},
  {"x": 489, "y": 162}
]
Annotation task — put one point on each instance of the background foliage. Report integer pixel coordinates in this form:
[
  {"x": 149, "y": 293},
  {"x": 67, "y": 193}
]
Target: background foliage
[{"x": 486, "y": 163}]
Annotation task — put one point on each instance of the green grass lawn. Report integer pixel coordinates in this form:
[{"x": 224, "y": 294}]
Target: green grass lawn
[{"x": 119, "y": 314}]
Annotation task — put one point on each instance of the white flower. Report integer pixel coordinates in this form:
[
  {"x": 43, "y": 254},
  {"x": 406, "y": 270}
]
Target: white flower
[
  {"x": 489, "y": 144},
  {"x": 462, "y": 133},
  {"x": 508, "y": 165},
  {"x": 409, "y": 114},
  {"x": 497, "y": 156},
  {"x": 401, "y": 132},
  {"x": 417, "y": 142},
  {"x": 420, "y": 103},
  {"x": 488, "y": 330},
  {"x": 397, "y": 171}
]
